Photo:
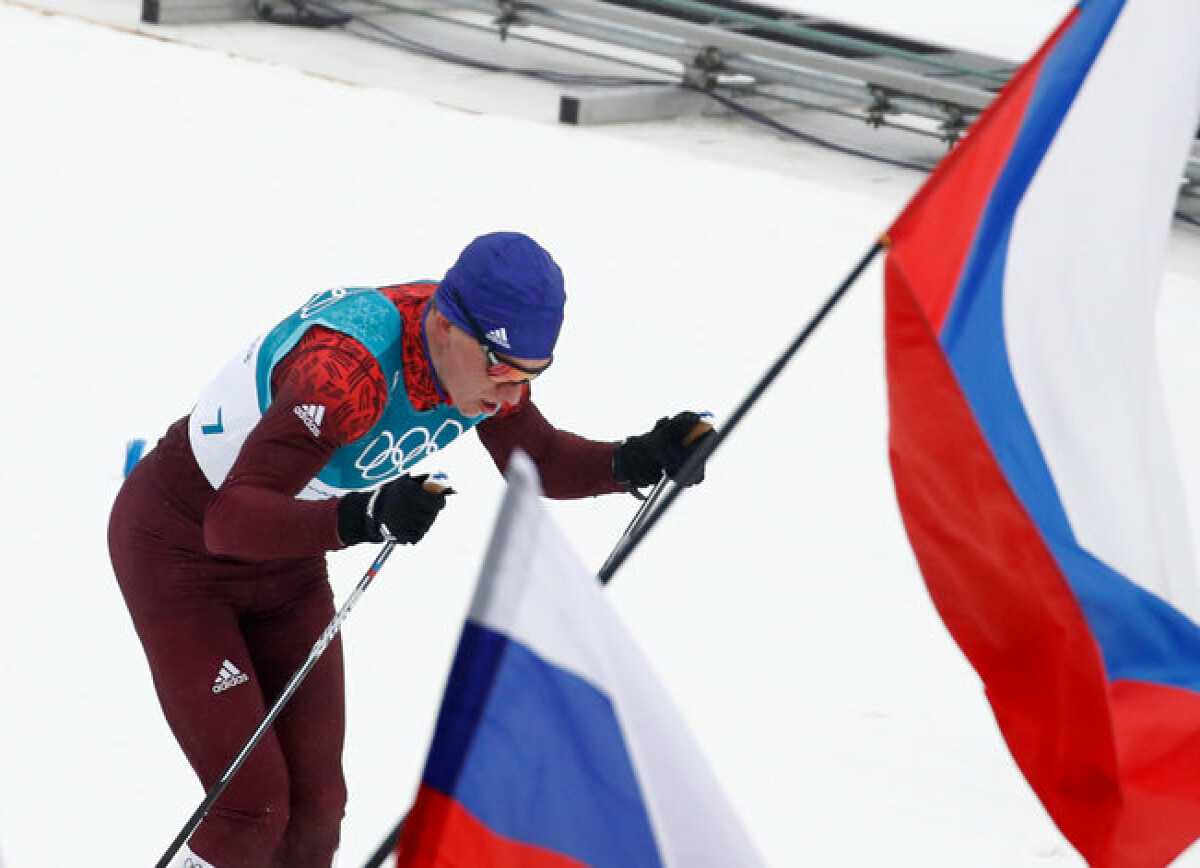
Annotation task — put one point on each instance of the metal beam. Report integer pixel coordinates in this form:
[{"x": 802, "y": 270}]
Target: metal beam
[
  {"x": 195, "y": 11},
  {"x": 691, "y": 38},
  {"x": 912, "y": 79},
  {"x": 650, "y": 102}
]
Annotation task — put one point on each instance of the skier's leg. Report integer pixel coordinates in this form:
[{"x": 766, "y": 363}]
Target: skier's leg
[
  {"x": 185, "y": 613},
  {"x": 198, "y": 665},
  {"x": 311, "y": 728}
]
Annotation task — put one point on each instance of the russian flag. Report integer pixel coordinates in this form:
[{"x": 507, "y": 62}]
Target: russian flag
[
  {"x": 555, "y": 746},
  {"x": 1029, "y": 441}
]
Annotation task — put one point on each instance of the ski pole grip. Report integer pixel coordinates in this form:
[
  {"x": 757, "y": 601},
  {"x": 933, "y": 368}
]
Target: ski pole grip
[
  {"x": 437, "y": 483},
  {"x": 699, "y": 430}
]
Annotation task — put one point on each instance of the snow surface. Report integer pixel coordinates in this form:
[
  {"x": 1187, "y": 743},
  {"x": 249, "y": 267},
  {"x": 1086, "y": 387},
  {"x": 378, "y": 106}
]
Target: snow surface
[{"x": 161, "y": 203}]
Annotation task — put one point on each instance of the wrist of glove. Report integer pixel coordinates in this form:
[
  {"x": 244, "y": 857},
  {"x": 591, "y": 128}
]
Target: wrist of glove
[
  {"x": 642, "y": 460},
  {"x": 403, "y": 510}
]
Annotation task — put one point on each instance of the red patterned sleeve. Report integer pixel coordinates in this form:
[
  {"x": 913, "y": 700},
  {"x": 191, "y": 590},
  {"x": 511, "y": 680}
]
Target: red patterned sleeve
[
  {"x": 328, "y": 391},
  {"x": 332, "y": 370}
]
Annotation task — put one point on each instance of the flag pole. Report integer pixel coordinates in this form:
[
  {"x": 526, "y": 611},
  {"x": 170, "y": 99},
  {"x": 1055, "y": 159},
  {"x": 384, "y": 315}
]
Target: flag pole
[
  {"x": 388, "y": 846},
  {"x": 710, "y": 444}
]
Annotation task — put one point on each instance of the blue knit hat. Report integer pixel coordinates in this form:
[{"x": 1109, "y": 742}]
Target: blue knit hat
[{"x": 506, "y": 290}]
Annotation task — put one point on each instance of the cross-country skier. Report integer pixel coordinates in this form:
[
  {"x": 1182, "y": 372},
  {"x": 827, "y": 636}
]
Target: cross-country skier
[{"x": 300, "y": 446}]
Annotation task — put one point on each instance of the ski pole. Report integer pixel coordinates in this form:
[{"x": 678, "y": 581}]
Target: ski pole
[
  {"x": 701, "y": 428},
  {"x": 289, "y": 690},
  {"x": 637, "y": 519}
]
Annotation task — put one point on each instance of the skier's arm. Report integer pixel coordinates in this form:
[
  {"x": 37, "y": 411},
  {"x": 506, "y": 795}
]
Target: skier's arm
[
  {"x": 570, "y": 466},
  {"x": 255, "y": 514}
]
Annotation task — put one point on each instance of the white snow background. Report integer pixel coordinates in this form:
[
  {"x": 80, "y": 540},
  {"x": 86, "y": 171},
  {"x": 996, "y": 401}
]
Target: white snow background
[{"x": 162, "y": 203}]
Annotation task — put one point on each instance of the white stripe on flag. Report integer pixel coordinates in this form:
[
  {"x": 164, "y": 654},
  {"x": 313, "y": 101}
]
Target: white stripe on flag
[
  {"x": 1081, "y": 284},
  {"x": 537, "y": 591}
]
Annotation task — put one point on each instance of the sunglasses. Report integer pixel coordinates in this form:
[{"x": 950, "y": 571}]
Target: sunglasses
[
  {"x": 508, "y": 372},
  {"x": 500, "y": 370}
]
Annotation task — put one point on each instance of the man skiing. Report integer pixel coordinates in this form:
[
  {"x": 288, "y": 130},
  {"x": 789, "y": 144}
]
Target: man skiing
[{"x": 300, "y": 446}]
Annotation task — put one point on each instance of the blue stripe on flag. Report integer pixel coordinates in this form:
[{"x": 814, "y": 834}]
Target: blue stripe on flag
[
  {"x": 536, "y": 754},
  {"x": 1140, "y": 636}
]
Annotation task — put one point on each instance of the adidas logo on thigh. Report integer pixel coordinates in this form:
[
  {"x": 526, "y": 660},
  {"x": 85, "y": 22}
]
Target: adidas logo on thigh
[{"x": 229, "y": 676}]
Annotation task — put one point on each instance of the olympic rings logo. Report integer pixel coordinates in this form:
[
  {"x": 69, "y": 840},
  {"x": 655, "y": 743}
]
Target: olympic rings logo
[{"x": 386, "y": 456}]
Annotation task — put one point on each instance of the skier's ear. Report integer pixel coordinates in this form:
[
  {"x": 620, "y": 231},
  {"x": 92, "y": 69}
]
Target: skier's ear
[{"x": 439, "y": 323}]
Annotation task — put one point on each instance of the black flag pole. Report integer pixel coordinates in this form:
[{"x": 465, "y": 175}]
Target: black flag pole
[
  {"x": 387, "y": 847},
  {"x": 710, "y": 444}
]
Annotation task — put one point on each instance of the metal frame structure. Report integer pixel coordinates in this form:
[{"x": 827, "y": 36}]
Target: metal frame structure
[{"x": 878, "y": 78}]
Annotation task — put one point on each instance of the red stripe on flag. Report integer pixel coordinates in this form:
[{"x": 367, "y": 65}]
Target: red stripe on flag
[
  {"x": 1106, "y": 762},
  {"x": 1157, "y": 731},
  {"x": 995, "y": 583},
  {"x": 441, "y": 833},
  {"x": 934, "y": 234}
]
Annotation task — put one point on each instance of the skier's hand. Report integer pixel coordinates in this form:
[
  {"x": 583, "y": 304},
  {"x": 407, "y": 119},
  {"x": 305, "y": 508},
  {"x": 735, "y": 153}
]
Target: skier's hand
[
  {"x": 642, "y": 460},
  {"x": 403, "y": 510}
]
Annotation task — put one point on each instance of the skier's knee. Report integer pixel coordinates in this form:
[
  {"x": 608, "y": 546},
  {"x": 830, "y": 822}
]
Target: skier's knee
[
  {"x": 314, "y": 832},
  {"x": 244, "y": 836}
]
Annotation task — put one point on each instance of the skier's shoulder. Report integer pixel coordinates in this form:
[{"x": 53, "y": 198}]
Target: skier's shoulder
[{"x": 337, "y": 373}]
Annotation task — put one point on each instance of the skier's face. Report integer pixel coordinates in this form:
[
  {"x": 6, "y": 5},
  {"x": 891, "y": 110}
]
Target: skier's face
[{"x": 479, "y": 383}]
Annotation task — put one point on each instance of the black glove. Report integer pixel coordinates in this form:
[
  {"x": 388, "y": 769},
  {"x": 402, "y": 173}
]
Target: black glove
[
  {"x": 402, "y": 510},
  {"x": 640, "y": 461}
]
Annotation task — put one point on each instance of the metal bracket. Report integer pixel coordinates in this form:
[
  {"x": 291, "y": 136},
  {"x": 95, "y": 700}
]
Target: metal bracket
[
  {"x": 880, "y": 107},
  {"x": 507, "y": 18},
  {"x": 954, "y": 125},
  {"x": 707, "y": 64}
]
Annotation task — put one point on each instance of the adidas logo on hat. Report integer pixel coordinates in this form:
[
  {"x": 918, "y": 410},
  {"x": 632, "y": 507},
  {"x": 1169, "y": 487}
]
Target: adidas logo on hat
[
  {"x": 229, "y": 676},
  {"x": 499, "y": 337}
]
